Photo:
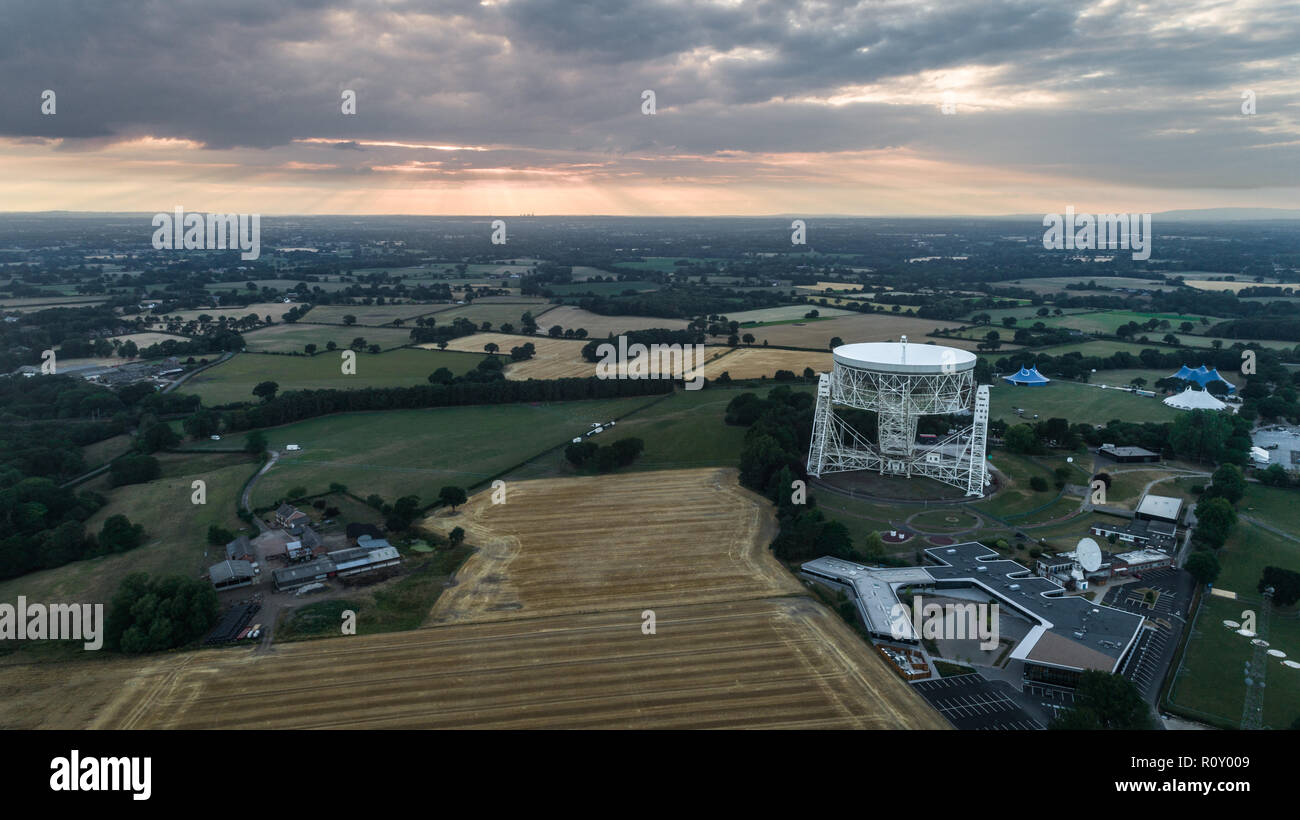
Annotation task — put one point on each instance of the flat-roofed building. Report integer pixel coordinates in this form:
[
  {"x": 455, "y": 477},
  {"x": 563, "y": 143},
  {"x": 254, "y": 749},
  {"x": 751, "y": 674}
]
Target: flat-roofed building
[
  {"x": 1068, "y": 633},
  {"x": 1146, "y": 533},
  {"x": 875, "y": 592},
  {"x": 1139, "y": 561},
  {"x": 1126, "y": 455},
  {"x": 1159, "y": 508}
]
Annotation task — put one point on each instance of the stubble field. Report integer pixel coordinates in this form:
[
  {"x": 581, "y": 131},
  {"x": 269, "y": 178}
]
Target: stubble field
[{"x": 544, "y": 630}]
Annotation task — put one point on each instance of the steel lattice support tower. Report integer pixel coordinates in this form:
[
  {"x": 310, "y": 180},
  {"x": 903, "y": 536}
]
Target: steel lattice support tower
[{"x": 901, "y": 384}]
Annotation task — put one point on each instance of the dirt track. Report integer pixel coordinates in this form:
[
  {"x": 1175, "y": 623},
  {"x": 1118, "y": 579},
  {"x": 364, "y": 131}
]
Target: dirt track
[{"x": 543, "y": 630}]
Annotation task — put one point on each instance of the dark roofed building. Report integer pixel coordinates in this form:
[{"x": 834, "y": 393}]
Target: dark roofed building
[
  {"x": 299, "y": 574},
  {"x": 290, "y": 518},
  {"x": 231, "y": 574},
  {"x": 1126, "y": 455},
  {"x": 241, "y": 549},
  {"x": 310, "y": 538}
]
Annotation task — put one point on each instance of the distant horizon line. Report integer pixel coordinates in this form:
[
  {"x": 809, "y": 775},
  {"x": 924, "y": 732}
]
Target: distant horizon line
[{"x": 1262, "y": 214}]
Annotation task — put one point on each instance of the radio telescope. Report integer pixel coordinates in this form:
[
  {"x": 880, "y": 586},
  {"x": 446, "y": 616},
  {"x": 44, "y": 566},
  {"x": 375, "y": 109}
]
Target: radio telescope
[
  {"x": 1088, "y": 554},
  {"x": 901, "y": 383}
]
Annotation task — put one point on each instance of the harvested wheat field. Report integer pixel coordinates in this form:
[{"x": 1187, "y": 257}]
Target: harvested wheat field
[
  {"x": 555, "y": 358},
  {"x": 630, "y": 541},
  {"x": 756, "y": 362},
  {"x": 542, "y": 630}
]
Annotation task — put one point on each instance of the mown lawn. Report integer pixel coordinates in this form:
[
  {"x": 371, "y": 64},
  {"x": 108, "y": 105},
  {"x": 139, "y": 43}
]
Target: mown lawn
[
  {"x": 1075, "y": 402},
  {"x": 1212, "y": 679}
]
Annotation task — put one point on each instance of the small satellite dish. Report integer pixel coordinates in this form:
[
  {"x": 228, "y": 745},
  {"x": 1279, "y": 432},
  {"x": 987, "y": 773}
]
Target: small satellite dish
[
  {"x": 1069, "y": 459},
  {"x": 1088, "y": 555}
]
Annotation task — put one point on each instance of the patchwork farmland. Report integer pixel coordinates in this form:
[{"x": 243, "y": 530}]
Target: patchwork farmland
[
  {"x": 543, "y": 631},
  {"x": 554, "y": 359}
]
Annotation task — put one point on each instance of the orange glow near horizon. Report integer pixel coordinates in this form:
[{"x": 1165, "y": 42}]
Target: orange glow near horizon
[{"x": 156, "y": 175}]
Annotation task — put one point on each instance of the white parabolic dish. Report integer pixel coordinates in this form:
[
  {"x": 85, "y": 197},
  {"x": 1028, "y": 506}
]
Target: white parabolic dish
[
  {"x": 898, "y": 357},
  {"x": 1088, "y": 555}
]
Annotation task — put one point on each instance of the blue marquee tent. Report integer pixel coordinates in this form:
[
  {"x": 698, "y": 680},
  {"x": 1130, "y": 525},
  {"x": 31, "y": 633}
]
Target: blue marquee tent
[
  {"x": 1202, "y": 376},
  {"x": 1029, "y": 376}
]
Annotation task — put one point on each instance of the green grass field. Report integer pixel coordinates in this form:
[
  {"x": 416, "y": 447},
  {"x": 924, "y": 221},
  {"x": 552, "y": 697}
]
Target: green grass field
[
  {"x": 101, "y": 452},
  {"x": 416, "y": 452},
  {"x": 865, "y": 517},
  {"x": 1075, "y": 402},
  {"x": 1211, "y": 679},
  {"x": 1100, "y": 347},
  {"x": 292, "y": 338},
  {"x": 234, "y": 380},
  {"x": 1122, "y": 378},
  {"x": 1018, "y": 497},
  {"x": 1126, "y": 487},
  {"x": 176, "y": 532},
  {"x": 682, "y": 431}
]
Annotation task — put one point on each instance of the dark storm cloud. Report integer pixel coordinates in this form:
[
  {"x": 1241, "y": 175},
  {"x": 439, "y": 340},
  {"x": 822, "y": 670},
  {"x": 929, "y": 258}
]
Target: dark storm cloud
[{"x": 1118, "y": 95}]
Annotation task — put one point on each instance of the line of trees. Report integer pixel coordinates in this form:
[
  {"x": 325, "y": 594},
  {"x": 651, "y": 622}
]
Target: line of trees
[
  {"x": 605, "y": 458},
  {"x": 771, "y": 460}
]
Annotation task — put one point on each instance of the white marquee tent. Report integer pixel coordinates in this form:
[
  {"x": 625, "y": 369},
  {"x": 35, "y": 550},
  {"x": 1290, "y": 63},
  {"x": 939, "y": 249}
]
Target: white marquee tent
[{"x": 1191, "y": 399}]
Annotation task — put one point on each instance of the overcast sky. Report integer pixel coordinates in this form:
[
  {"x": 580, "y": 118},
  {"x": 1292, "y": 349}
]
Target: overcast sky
[{"x": 500, "y": 108}]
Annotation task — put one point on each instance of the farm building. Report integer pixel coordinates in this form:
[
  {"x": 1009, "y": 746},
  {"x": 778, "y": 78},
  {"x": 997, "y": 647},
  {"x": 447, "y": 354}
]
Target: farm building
[
  {"x": 360, "y": 559},
  {"x": 1126, "y": 455},
  {"x": 231, "y": 574},
  {"x": 308, "y": 542},
  {"x": 299, "y": 574},
  {"x": 241, "y": 549},
  {"x": 288, "y": 516},
  {"x": 371, "y": 554}
]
